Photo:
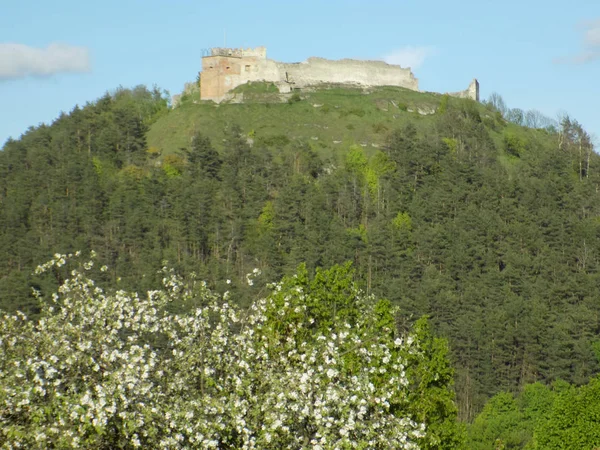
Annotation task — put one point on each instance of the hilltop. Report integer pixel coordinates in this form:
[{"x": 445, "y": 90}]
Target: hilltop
[{"x": 330, "y": 118}]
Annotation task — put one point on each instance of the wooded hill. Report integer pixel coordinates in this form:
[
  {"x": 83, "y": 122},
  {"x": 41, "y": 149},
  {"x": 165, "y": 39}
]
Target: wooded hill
[{"x": 488, "y": 227}]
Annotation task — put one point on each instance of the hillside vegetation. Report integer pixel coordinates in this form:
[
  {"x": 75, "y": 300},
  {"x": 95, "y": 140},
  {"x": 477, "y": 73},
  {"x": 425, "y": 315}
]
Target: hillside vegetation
[
  {"x": 327, "y": 118},
  {"x": 443, "y": 207}
]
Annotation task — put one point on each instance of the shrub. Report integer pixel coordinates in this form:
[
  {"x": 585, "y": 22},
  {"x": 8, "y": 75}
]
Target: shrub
[
  {"x": 514, "y": 145},
  {"x": 380, "y": 128},
  {"x": 295, "y": 98},
  {"x": 444, "y": 104}
]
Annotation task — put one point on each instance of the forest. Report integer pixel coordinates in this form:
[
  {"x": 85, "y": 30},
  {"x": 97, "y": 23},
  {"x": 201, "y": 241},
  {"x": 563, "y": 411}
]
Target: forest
[{"x": 465, "y": 222}]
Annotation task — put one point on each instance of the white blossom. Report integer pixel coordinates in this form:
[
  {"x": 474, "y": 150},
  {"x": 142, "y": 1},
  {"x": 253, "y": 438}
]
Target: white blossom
[{"x": 217, "y": 377}]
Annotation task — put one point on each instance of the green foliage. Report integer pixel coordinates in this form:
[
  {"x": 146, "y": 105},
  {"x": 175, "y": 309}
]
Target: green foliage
[
  {"x": 432, "y": 399},
  {"x": 359, "y": 233},
  {"x": 470, "y": 110},
  {"x": 277, "y": 140},
  {"x": 380, "y": 128},
  {"x": 201, "y": 156},
  {"x": 171, "y": 171},
  {"x": 452, "y": 144},
  {"x": 358, "y": 112},
  {"x": 540, "y": 417},
  {"x": 257, "y": 87},
  {"x": 443, "y": 108},
  {"x": 381, "y": 164},
  {"x": 402, "y": 222},
  {"x": 133, "y": 172},
  {"x": 267, "y": 216},
  {"x": 97, "y": 162},
  {"x": 314, "y": 362},
  {"x": 266, "y": 115},
  {"x": 514, "y": 145},
  {"x": 173, "y": 165},
  {"x": 372, "y": 180},
  {"x": 500, "y": 425},
  {"x": 573, "y": 420},
  {"x": 356, "y": 160},
  {"x": 596, "y": 349},
  {"x": 329, "y": 298},
  {"x": 495, "y": 246},
  {"x": 295, "y": 98}
]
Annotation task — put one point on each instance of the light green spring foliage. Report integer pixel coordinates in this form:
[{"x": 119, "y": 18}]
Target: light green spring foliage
[
  {"x": 267, "y": 216},
  {"x": 500, "y": 425},
  {"x": 510, "y": 422},
  {"x": 574, "y": 420},
  {"x": 359, "y": 233},
  {"x": 369, "y": 170},
  {"x": 560, "y": 416},
  {"x": 402, "y": 222},
  {"x": 452, "y": 144},
  {"x": 443, "y": 108},
  {"x": 314, "y": 364},
  {"x": 356, "y": 160},
  {"x": 379, "y": 165},
  {"x": 514, "y": 144}
]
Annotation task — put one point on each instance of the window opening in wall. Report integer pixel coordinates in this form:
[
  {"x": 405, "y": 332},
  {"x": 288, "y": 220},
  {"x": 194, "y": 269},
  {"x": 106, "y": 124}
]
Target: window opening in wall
[
  {"x": 247, "y": 68},
  {"x": 227, "y": 67}
]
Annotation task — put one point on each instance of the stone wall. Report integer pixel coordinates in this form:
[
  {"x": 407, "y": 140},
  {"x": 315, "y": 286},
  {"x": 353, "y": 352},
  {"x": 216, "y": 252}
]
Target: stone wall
[
  {"x": 258, "y": 52},
  {"x": 227, "y": 68},
  {"x": 317, "y": 71},
  {"x": 471, "y": 92}
]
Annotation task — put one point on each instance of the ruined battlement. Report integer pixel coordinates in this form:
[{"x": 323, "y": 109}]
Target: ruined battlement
[
  {"x": 471, "y": 92},
  {"x": 258, "y": 52},
  {"x": 227, "y": 68}
]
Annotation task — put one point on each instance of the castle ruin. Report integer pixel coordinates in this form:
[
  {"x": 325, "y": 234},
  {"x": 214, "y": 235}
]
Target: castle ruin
[{"x": 226, "y": 68}]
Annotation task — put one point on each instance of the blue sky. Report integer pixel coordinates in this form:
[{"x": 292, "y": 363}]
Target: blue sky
[{"x": 537, "y": 54}]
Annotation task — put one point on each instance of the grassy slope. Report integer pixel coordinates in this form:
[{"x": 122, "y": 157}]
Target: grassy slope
[
  {"x": 329, "y": 119},
  {"x": 346, "y": 115}
]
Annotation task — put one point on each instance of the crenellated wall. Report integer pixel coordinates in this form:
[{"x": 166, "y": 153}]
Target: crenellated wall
[
  {"x": 258, "y": 52},
  {"x": 227, "y": 68},
  {"x": 317, "y": 71}
]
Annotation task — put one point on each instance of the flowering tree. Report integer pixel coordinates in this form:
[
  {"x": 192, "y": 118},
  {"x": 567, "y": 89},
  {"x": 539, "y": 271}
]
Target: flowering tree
[{"x": 314, "y": 364}]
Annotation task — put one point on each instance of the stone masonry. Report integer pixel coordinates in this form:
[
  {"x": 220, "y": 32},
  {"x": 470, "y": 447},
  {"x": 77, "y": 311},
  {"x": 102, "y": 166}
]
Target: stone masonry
[
  {"x": 226, "y": 68},
  {"x": 471, "y": 92}
]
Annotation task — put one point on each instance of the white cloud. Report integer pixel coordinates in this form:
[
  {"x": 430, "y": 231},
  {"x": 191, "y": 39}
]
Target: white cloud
[
  {"x": 592, "y": 34},
  {"x": 409, "y": 56},
  {"x": 591, "y": 45},
  {"x": 19, "y": 61}
]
